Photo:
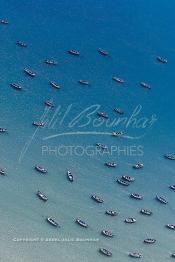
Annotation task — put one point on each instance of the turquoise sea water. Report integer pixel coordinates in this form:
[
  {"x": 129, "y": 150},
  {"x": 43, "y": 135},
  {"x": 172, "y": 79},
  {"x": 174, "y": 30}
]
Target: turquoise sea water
[{"x": 134, "y": 32}]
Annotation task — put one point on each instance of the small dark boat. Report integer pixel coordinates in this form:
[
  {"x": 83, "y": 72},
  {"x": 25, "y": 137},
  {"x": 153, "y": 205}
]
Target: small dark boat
[
  {"x": 149, "y": 241},
  {"x": 170, "y": 226},
  {"x": 81, "y": 223},
  {"x": 110, "y": 164},
  {"x": 97, "y": 199},
  {"x": 128, "y": 178},
  {"x": 50, "y": 62},
  {"x": 172, "y": 187},
  {"x": 42, "y": 196},
  {"x": 29, "y": 72},
  {"x": 173, "y": 255},
  {"x": 146, "y": 212},
  {"x": 170, "y": 157},
  {"x": 138, "y": 166},
  {"x": 111, "y": 213},
  {"x": 145, "y": 85},
  {"x": 4, "y": 21},
  {"x": 161, "y": 200},
  {"x": 74, "y": 52},
  {"x": 102, "y": 114},
  {"x": 107, "y": 233},
  {"x": 130, "y": 220},
  {"x": 21, "y": 44},
  {"x": 103, "y": 52},
  {"x": 52, "y": 221},
  {"x": 117, "y": 133},
  {"x": 136, "y": 196},
  {"x": 122, "y": 182},
  {"x": 2, "y": 172},
  {"x": 105, "y": 252},
  {"x": 162, "y": 60},
  {"x": 101, "y": 146},
  {"x": 38, "y": 124},
  {"x": 135, "y": 255},
  {"x": 119, "y": 111},
  {"x": 3, "y": 130},
  {"x": 49, "y": 103},
  {"x": 54, "y": 84},
  {"x": 16, "y": 86},
  {"x": 70, "y": 176},
  {"x": 118, "y": 80},
  {"x": 41, "y": 169},
  {"x": 83, "y": 82}
]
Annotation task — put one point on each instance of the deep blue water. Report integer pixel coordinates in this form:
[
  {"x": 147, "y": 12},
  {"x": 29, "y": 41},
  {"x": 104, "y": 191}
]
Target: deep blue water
[{"x": 134, "y": 32}]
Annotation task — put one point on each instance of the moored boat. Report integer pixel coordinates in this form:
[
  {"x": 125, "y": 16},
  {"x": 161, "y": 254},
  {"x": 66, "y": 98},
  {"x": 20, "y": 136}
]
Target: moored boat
[
  {"x": 170, "y": 157},
  {"x": 135, "y": 255},
  {"x": 52, "y": 221},
  {"x": 138, "y": 166},
  {"x": 98, "y": 199},
  {"x": 149, "y": 241},
  {"x": 161, "y": 199},
  {"x": 38, "y": 123},
  {"x": 50, "y": 62},
  {"x": 21, "y": 44},
  {"x": 102, "y": 114},
  {"x": 111, "y": 213},
  {"x": 146, "y": 212},
  {"x": 110, "y": 164},
  {"x": 49, "y": 103},
  {"x": 118, "y": 80},
  {"x": 29, "y": 72},
  {"x": 42, "y": 196},
  {"x": 103, "y": 52},
  {"x": 119, "y": 111},
  {"x": 171, "y": 226},
  {"x": 3, "y": 130},
  {"x": 16, "y": 86},
  {"x": 105, "y": 252},
  {"x": 122, "y": 182},
  {"x": 74, "y": 52},
  {"x": 101, "y": 146},
  {"x": 4, "y": 21},
  {"x": 128, "y": 178},
  {"x": 136, "y": 196},
  {"x": 117, "y": 133},
  {"x": 2, "y": 172},
  {"x": 145, "y": 85},
  {"x": 162, "y": 60},
  {"x": 172, "y": 187},
  {"x": 54, "y": 84},
  {"x": 107, "y": 233},
  {"x": 70, "y": 176},
  {"x": 130, "y": 220},
  {"x": 83, "y": 82},
  {"x": 41, "y": 169},
  {"x": 81, "y": 223}
]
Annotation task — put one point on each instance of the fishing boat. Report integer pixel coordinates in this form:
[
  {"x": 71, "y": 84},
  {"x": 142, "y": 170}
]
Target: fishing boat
[
  {"x": 138, "y": 166},
  {"x": 105, "y": 252},
  {"x": 111, "y": 213},
  {"x": 49, "y": 103},
  {"x": 74, "y": 52},
  {"x": 83, "y": 82},
  {"x": 42, "y": 196},
  {"x": 21, "y": 44},
  {"x": 50, "y": 62},
  {"x": 117, "y": 133},
  {"x": 101, "y": 146},
  {"x": 170, "y": 226},
  {"x": 172, "y": 187},
  {"x": 136, "y": 196},
  {"x": 161, "y": 199},
  {"x": 103, "y": 52},
  {"x": 128, "y": 178},
  {"x": 3, "y": 130},
  {"x": 70, "y": 176},
  {"x": 119, "y": 111},
  {"x": 52, "y": 221},
  {"x": 97, "y": 199},
  {"x": 170, "y": 157},
  {"x": 118, "y": 80},
  {"x": 81, "y": 223},
  {"x": 173, "y": 255},
  {"x": 122, "y": 182},
  {"x": 41, "y": 169},
  {"x": 54, "y": 84},
  {"x": 162, "y": 60},
  {"x": 29, "y": 72},
  {"x": 135, "y": 255},
  {"x": 16, "y": 86},
  {"x": 146, "y": 212},
  {"x": 102, "y": 114},
  {"x": 110, "y": 164},
  {"x": 107, "y": 233},
  {"x": 38, "y": 123},
  {"x": 145, "y": 85},
  {"x": 149, "y": 241},
  {"x": 130, "y": 220},
  {"x": 4, "y": 21}
]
